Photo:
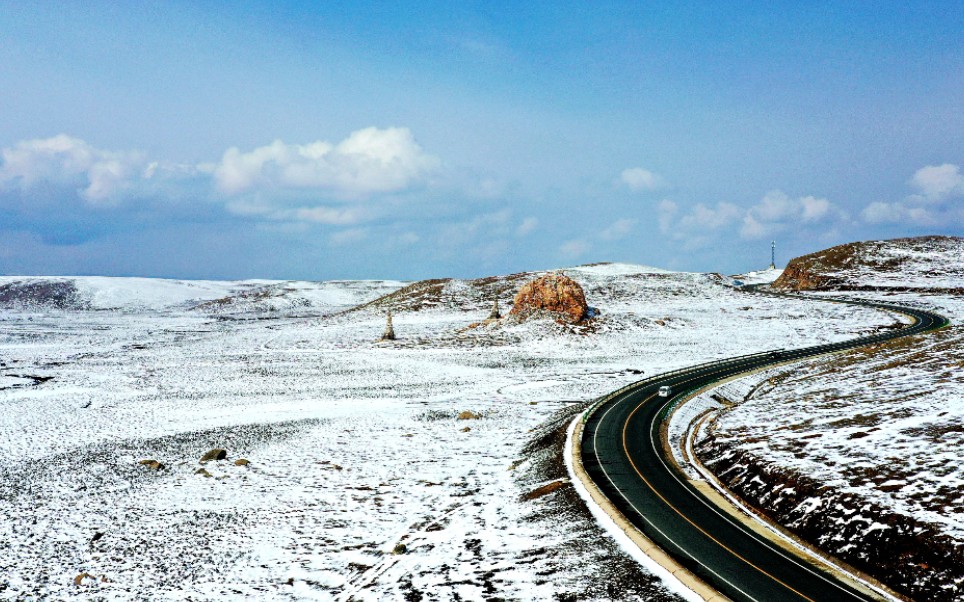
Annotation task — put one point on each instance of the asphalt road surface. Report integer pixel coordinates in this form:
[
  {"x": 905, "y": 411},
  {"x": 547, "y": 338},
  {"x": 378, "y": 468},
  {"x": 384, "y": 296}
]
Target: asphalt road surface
[{"x": 623, "y": 454}]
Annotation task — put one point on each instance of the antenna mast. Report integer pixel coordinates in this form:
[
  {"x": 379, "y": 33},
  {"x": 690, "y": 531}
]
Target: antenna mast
[{"x": 773, "y": 255}]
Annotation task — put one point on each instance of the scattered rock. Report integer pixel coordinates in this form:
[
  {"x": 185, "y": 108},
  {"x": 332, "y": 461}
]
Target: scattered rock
[
  {"x": 400, "y": 549},
  {"x": 215, "y": 454},
  {"x": 203, "y": 472},
  {"x": 79, "y": 579},
  {"x": 466, "y": 429},
  {"x": 152, "y": 464},
  {"x": 96, "y": 536},
  {"x": 544, "y": 490},
  {"x": 468, "y": 415},
  {"x": 241, "y": 462},
  {"x": 555, "y": 293}
]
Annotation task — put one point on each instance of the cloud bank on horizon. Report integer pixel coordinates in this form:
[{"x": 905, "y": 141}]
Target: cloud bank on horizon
[{"x": 486, "y": 168}]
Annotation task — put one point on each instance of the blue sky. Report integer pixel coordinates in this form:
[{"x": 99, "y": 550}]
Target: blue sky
[{"x": 410, "y": 140}]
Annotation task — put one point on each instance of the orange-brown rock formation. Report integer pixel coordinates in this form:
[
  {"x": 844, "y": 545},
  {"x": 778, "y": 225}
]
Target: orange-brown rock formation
[{"x": 555, "y": 293}]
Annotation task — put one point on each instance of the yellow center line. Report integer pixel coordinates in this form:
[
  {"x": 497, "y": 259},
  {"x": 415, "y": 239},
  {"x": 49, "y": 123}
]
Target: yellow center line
[
  {"x": 680, "y": 513},
  {"x": 918, "y": 322}
]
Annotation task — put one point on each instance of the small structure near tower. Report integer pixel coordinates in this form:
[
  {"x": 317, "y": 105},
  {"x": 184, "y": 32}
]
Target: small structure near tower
[
  {"x": 773, "y": 255},
  {"x": 389, "y": 329},
  {"x": 496, "y": 313}
]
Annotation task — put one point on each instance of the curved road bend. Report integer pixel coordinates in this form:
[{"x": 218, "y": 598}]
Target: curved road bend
[{"x": 623, "y": 454}]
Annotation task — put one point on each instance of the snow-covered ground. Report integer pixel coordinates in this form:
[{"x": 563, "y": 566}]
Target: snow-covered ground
[
  {"x": 159, "y": 295},
  {"x": 875, "y": 434},
  {"x": 766, "y": 276},
  {"x": 355, "y": 448}
]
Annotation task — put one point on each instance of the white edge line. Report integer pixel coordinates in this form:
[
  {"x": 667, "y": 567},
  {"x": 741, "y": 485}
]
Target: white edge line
[{"x": 671, "y": 581}]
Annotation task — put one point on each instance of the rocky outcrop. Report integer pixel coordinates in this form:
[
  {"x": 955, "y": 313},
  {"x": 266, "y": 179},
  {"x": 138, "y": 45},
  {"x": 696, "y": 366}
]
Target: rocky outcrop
[
  {"x": 800, "y": 275},
  {"x": 555, "y": 293},
  {"x": 214, "y": 454},
  {"x": 544, "y": 490}
]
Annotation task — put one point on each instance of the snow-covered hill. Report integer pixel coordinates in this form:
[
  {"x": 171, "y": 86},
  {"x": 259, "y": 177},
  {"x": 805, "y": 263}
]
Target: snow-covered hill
[
  {"x": 861, "y": 452},
  {"x": 158, "y": 294},
  {"x": 924, "y": 263},
  {"x": 354, "y": 445}
]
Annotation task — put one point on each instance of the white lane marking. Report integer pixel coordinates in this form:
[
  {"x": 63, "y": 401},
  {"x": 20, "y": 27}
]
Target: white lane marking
[
  {"x": 628, "y": 390},
  {"x": 683, "y": 550}
]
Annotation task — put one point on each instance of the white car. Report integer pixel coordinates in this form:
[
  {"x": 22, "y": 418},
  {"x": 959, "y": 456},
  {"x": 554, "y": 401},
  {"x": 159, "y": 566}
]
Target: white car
[{"x": 665, "y": 391}]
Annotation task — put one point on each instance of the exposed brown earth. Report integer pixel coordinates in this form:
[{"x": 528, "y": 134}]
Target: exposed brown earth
[{"x": 909, "y": 556}]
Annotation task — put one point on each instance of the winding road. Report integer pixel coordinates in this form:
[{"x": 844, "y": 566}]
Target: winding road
[{"x": 624, "y": 454}]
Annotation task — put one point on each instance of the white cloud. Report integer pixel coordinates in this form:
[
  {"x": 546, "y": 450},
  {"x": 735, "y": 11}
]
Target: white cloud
[
  {"x": 527, "y": 226},
  {"x": 936, "y": 203},
  {"x": 618, "y": 229},
  {"x": 776, "y": 211},
  {"x": 703, "y": 225},
  {"x": 752, "y": 228},
  {"x": 348, "y": 237},
  {"x": 900, "y": 213},
  {"x": 100, "y": 177},
  {"x": 814, "y": 209},
  {"x": 277, "y": 182},
  {"x": 336, "y": 216},
  {"x": 881, "y": 213},
  {"x": 665, "y": 212},
  {"x": 369, "y": 161},
  {"x": 573, "y": 249},
  {"x": 702, "y": 217},
  {"x": 698, "y": 226},
  {"x": 936, "y": 182},
  {"x": 328, "y": 215},
  {"x": 638, "y": 179}
]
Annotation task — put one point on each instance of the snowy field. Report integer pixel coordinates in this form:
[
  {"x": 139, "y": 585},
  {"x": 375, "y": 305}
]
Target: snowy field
[{"x": 362, "y": 484}]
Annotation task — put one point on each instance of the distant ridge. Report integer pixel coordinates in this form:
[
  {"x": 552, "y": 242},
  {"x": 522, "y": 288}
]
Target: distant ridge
[{"x": 926, "y": 263}]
